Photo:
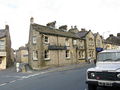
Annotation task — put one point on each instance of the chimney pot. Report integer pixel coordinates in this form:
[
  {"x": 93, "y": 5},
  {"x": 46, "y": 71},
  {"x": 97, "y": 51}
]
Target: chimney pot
[
  {"x": 111, "y": 35},
  {"x": 31, "y": 20},
  {"x": 118, "y": 34}
]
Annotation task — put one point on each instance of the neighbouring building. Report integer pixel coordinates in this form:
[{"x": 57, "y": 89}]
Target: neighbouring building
[
  {"x": 98, "y": 43},
  {"x": 22, "y": 55},
  {"x": 112, "y": 42},
  {"x": 49, "y": 46},
  {"x": 5, "y": 48},
  {"x": 13, "y": 55},
  {"x": 90, "y": 50}
]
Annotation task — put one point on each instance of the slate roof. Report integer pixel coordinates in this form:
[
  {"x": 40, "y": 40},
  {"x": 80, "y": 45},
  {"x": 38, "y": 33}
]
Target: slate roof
[
  {"x": 113, "y": 40},
  {"x": 82, "y": 34},
  {"x": 2, "y": 33},
  {"x": 51, "y": 31}
]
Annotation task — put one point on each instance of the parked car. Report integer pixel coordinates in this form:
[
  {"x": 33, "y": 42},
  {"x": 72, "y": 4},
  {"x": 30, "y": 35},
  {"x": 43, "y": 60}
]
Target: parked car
[{"x": 106, "y": 73}]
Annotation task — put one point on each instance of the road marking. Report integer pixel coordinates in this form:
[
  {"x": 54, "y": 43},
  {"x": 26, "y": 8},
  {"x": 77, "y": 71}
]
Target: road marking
[
  {"x": 22, "y": 77},
  {"x": 3, "y": 84},
  {"x": 12, "y": 81}
]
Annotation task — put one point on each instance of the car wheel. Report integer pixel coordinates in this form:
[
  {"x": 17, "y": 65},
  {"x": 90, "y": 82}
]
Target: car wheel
[{"x": 92, "y": 87}]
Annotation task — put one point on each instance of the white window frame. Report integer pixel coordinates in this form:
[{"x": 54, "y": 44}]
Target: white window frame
[
  {"x": 67, "y": 53},
  {"x": 35, "y": 55},
  {"x": 34, "y": 39},
  {"x": 48, "y": 55},
  {"x": 74, "y": 42},
  {"x": 2, "y": 45},
  {"x": 46, "y": 39},
  {"x": 67, "y": 42}
]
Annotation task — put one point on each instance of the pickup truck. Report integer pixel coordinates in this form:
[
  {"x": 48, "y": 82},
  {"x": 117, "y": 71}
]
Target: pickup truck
[{"x": 106, "y": 73}]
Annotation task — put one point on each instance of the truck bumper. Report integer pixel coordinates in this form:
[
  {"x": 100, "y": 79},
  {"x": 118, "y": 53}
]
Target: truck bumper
[{"x": 104, "y": 84}]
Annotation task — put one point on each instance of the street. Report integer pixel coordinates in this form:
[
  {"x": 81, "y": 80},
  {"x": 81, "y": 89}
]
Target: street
[{"x": 59, "y": 80}]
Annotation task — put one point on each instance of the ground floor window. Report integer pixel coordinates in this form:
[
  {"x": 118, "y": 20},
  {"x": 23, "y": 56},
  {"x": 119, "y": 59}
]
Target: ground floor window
[
  {"x": 81, "y": 54},
  {"x": 91, "y": 53},
  {"x": 67, "y": 53},
  {"x": 35, "y": 55},
  {"x": 46, "y": 54},
  {"x": 0, "y": 60}
]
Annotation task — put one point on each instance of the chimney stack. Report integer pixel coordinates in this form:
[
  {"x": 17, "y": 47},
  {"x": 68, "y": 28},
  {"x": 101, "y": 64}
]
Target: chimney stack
[
  {"x": 7, "y": 27},
  {"x": 51, "y": 24},
  {"x": 118, "y": 34},
  {"x": 111, "y": 35},
  {"x": 83, "y": 29},
  {"x": 63, "y": 27},
  {"x": 31, "y": 20}
]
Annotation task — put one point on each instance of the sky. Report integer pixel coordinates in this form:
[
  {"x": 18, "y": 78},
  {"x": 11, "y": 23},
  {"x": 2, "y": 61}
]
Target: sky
[{"x": 101, "y": 16}]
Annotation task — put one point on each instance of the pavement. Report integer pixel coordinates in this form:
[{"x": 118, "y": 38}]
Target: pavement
[
  {"x": 12, "y": 70},
  {"x": 10, "y": 75},
  {"x": 62, "y": 68}
]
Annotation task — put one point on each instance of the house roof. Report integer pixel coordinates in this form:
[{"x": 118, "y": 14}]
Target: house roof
[
  {"x": 113, "y": 40},
  {"x": 82, "y": 34},
  {"x": 2, "y": 33},
  {"x": 51, "y": 31}
]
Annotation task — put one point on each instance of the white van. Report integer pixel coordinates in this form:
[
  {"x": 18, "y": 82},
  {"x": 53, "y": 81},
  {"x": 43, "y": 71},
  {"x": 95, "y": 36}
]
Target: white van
[{"x": 107, "y": 70}]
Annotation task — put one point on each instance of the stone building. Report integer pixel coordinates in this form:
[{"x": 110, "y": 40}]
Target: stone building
[
  {"x": 22, "y": 55},
  {"x": 98, "y": 43},
  {"x": 112, "y": 42},
  {"x": 49, "y": 46},
  {"x": 5, "y": 48},
  {"x": 90, "y": 50}
]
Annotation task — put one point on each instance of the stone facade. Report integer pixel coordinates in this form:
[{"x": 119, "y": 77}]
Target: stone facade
[
  {"x": 5, "y": 48},
  {"x": 99, "y": 46},
  {"x": 112, "y": 42},
  {"x": 22, "y": 55},
  {"x": 53, "y": 47}
]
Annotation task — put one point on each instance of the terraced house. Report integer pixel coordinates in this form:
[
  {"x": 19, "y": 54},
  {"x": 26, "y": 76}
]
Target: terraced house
[
  {"x": 112, "y": 42},
  {"x": 22, "y": 55},
  {"x": 5, "y": 48},
  {"x": 90, "y": 51},
  {"x": 49, "y": 46}
]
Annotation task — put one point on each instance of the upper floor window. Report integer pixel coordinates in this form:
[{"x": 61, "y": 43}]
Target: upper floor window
[
  {"x": 67, "y": 42},
  {"x": 74, "y": 42},
  {"x": 46, "y": 39},
  {"x": 2, "y": 44},
  {"x": 34, "y": 39}
]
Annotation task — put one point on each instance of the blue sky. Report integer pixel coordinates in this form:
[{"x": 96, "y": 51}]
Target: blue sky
[{"x": 101, "y": 16}]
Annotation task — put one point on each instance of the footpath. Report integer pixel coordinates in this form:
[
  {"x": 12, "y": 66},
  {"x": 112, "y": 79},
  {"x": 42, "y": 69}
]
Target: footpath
[{"x": 63, "y": 68}]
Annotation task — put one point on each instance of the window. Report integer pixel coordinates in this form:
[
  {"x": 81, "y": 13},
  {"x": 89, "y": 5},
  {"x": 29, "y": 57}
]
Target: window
[
  {"x": 74, "y": 42},
  {"x": 35, "y": 55},
  {"x": 81, "y": 54},
  {"x": 2, "y": 44},
  {"x": 46, "y": 55},
  {"x": 67, "y": 54},
  {"x": 0, "y": 60},
  {"x": 46, "y": 39},
  {"x": 34, "y": 40},
  {"x": 67, "y": 42}
]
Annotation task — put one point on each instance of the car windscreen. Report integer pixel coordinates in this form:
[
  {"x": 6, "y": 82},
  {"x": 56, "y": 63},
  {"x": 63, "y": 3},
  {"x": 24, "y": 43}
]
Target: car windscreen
[{"x": 109, "y": 56}]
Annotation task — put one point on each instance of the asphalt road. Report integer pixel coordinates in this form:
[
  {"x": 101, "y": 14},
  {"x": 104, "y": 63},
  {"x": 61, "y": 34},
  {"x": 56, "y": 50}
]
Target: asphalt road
[{"x": 60, "y": 80}]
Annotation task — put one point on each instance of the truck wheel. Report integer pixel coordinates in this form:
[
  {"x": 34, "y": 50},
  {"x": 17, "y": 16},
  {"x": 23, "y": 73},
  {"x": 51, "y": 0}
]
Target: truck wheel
[{"x": 92, "y": 87}]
